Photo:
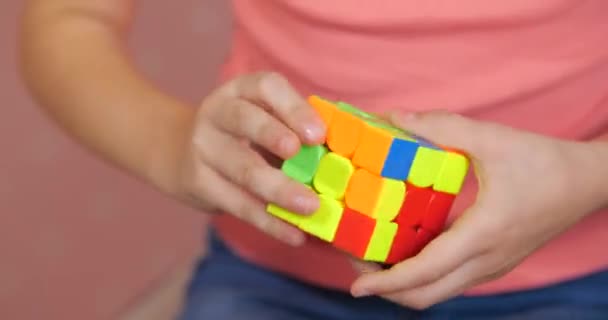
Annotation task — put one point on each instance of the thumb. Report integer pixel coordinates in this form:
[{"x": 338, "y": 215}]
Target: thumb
[{"x": 448, "y": 130}]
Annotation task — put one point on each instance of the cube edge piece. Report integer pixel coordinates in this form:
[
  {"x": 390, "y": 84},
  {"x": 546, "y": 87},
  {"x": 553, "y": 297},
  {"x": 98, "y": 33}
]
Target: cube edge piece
[
  {"x": 332, "y": 160},
  {"x": 372, "y": 139},
  {"x": 425, "y": 167},
  {"x": 284, "y": 214},
  {"x": 400, "y": 159},
  {"x": 381, "y": 241},
  {"x": 390, "y": 200},
  {"x": 329, "y": 208},
  {"x": 337, "y": 141},
  {"x": 304, "y": 172}
]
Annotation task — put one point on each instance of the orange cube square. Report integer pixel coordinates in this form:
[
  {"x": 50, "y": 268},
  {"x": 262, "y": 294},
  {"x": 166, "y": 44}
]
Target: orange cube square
[
  {"x": 344, "y": 133},
  {"x": 373, "y": 149},
  {"x": 324, "y": 108},
  {"x": 363, "y": 192}
]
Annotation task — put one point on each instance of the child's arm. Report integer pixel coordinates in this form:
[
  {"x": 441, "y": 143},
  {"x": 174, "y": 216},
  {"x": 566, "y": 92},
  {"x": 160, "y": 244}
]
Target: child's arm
[{"x": 75, "y": 63}]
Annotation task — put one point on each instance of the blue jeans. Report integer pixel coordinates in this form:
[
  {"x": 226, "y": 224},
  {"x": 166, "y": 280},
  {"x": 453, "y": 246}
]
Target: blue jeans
[{"x": 225, "y": 287}]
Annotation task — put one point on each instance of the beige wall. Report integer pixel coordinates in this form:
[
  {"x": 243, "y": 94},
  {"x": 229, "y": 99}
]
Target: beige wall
[{"x": 80, "y": 240}]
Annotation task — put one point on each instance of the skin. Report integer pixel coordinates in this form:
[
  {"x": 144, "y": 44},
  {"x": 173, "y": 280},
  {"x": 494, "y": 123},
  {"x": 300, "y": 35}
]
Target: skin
[
  {"x": 531, "y": 189},
  {"x": 221, "y": 155}
]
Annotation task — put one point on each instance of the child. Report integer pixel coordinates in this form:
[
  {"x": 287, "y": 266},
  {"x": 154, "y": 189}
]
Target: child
[{"x": 522, "y": 89}]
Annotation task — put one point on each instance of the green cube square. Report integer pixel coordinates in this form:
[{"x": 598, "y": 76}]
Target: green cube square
[{"x": 303, "y": 166}]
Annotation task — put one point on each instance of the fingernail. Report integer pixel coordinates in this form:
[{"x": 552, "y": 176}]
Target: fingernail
[{"x": 314, "y": 132}]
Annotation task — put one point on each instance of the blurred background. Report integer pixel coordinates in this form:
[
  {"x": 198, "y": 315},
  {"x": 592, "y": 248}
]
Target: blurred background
[{"x": 79, "y": 239}]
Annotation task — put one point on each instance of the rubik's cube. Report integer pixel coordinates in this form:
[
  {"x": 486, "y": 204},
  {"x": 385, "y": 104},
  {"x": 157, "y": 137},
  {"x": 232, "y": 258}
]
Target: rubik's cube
[{"x": 384, "y": 193}]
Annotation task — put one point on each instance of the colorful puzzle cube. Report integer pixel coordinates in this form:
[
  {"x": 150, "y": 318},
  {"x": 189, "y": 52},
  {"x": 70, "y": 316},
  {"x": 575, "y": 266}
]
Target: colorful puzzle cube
[{"x": 384, "y": 193}]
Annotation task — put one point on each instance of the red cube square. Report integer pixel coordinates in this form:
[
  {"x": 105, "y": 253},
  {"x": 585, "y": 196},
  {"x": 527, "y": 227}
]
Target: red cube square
[
  {"x": 414, "y": 206},
  {"x": 404, "y": 245},
  {"x": 437, "y": 211},
  {"x": 423, "y": 237},
  {"x": 354, "y": 232}
]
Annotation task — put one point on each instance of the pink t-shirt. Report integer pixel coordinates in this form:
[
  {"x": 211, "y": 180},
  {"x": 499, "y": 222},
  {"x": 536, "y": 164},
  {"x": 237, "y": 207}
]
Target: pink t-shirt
[{"x": 536, "y": 65}]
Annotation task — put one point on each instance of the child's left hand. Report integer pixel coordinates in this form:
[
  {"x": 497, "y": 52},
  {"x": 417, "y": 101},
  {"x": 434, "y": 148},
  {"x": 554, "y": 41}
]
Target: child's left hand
[{"x": 531, "y": 188}]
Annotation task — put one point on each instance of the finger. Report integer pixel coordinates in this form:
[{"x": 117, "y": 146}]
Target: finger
[
  {"x": 270, "y": 158},
  {"x": 443, "y": 128},
  {"x": 229, "y": 198},
  {"x": 451, "y": 285},
  {"x": 277, "y": 94},
  {"x": 440, "y": 257},
  {"x": 248, "y": 170},
  {"x": 246, "y": 120},
  {"x": 365, "y": 266}
]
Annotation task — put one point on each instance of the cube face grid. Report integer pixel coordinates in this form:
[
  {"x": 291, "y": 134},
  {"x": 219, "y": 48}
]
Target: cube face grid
[{"x": 385, "y": 193}]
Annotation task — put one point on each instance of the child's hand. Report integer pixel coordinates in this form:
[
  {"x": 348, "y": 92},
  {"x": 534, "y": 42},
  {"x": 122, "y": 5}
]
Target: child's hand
[
  {"x": 531, "y": 188},
  {"x": 237, "y": 129}
]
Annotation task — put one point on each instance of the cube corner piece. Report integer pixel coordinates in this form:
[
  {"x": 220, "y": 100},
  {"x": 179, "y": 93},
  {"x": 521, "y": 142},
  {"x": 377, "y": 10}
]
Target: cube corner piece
[
  {"x": 324, "y": 108},
  {"x": 323, "y": 223},
  {"x": 452, "y": 174},
  {"x": 285, "y": 215}
]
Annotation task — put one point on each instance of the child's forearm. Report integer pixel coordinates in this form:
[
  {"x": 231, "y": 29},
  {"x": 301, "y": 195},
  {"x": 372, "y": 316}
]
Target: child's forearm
[{"x": 74, "y": 63}]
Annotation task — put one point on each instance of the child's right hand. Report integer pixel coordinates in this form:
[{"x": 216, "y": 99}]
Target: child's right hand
[{"x": 236, "y": 131}]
